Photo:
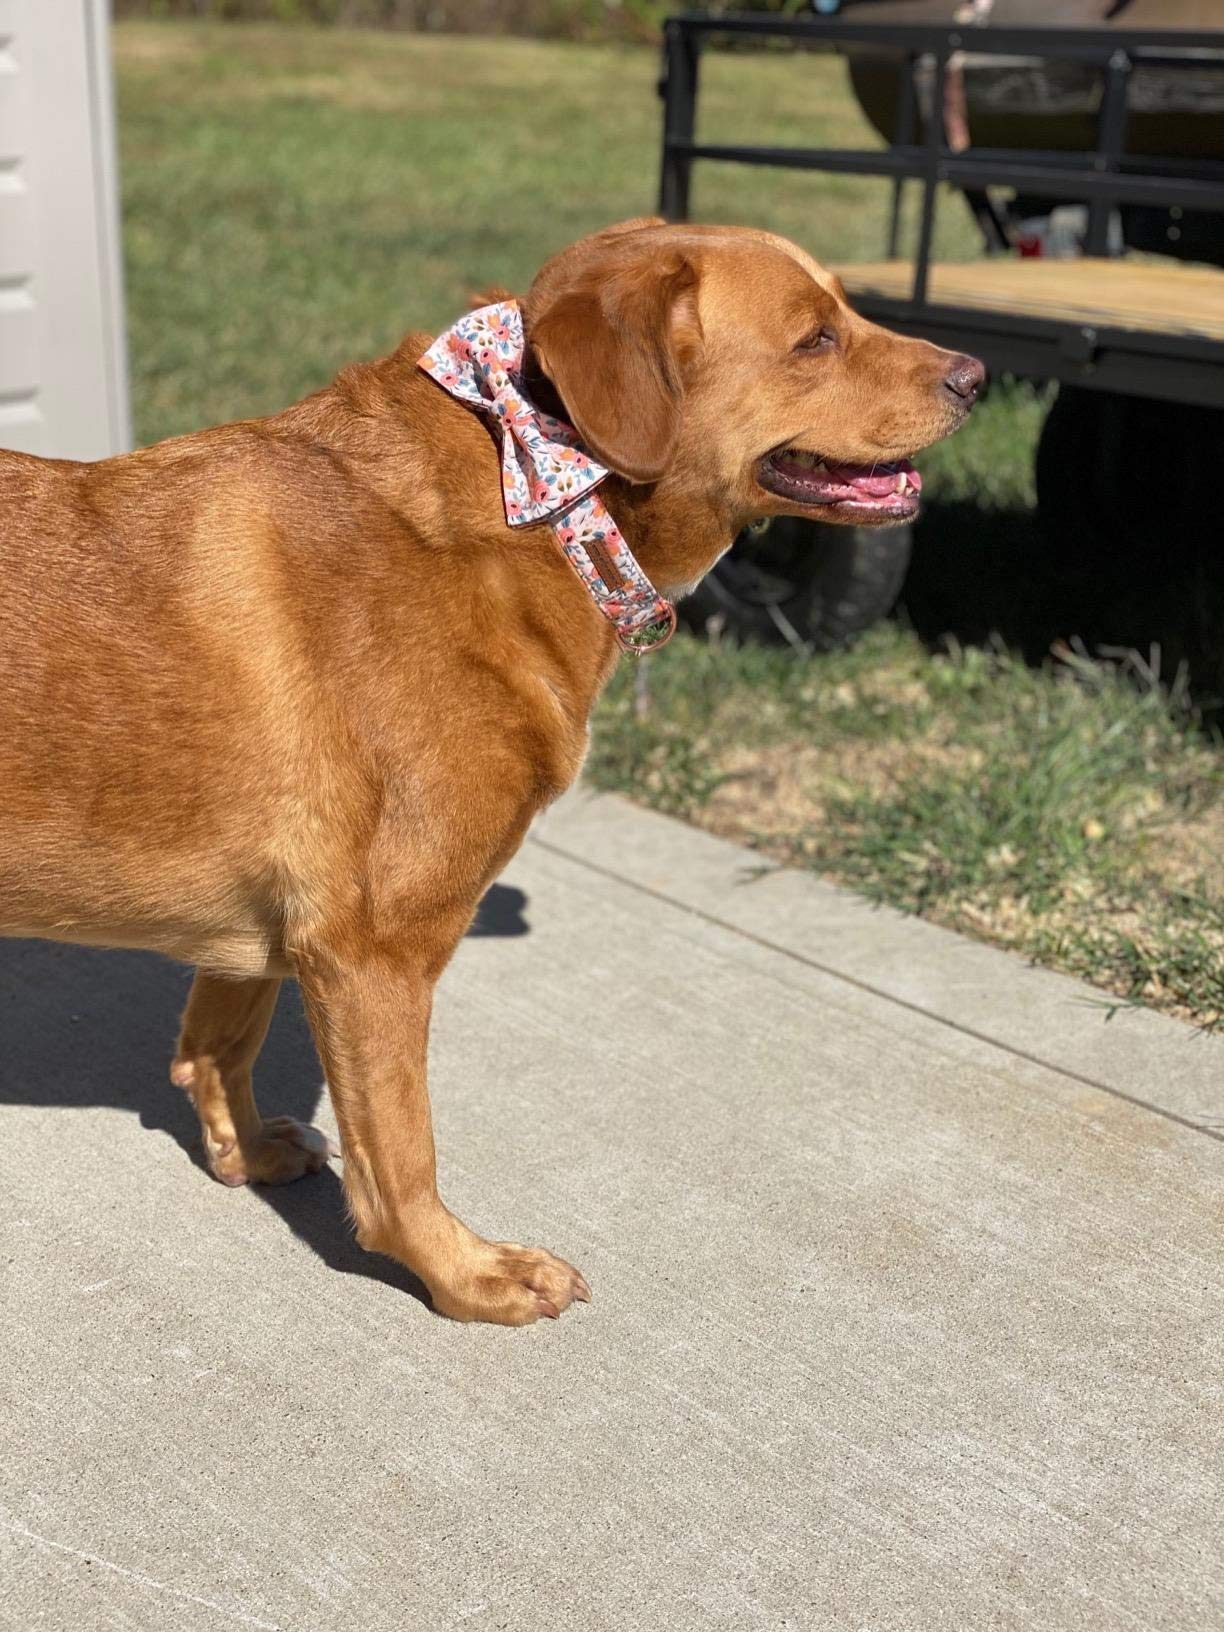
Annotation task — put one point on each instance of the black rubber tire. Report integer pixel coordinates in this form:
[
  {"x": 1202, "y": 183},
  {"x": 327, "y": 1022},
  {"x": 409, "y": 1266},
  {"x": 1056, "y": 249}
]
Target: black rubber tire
[{"x": 826, "y": 584}]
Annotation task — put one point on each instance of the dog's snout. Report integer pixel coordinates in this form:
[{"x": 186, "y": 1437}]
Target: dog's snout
[{"x": 964, "y": 378}]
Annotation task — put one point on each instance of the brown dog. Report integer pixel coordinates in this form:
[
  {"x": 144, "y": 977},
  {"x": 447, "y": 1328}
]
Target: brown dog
[{"x": 282, "y": 697}]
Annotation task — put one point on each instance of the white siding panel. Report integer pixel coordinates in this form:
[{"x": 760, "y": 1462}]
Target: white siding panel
[{"x": 63, "y": 379}]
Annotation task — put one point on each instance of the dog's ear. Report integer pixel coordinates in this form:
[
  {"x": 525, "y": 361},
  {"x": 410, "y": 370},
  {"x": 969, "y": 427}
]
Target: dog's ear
[{"x": 612, "y": 345}]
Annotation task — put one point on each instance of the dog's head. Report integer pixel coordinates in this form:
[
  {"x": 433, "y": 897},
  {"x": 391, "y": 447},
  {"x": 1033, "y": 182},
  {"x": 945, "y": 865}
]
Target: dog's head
[{"x": 727, "y": 362}]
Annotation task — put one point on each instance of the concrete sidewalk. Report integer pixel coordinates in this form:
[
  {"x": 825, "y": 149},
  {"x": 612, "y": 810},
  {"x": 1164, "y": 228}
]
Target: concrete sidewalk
[{"x": 907, "y": 1275}]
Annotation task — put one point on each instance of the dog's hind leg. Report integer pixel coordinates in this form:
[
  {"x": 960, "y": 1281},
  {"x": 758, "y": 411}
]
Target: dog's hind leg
[{"x": 223, "y": 1030}]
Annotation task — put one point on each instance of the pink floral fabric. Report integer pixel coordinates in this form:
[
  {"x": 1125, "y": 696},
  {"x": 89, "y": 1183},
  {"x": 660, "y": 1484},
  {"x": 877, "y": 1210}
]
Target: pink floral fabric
[{"x": 547, "y": 475}]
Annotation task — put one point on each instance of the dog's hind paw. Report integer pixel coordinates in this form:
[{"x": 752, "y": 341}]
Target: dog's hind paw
[{"x": 283, "y": 1150}]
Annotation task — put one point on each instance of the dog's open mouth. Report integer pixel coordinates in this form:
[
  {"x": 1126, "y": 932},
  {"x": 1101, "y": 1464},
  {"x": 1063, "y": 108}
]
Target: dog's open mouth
[{"x": 883, "y": 490}]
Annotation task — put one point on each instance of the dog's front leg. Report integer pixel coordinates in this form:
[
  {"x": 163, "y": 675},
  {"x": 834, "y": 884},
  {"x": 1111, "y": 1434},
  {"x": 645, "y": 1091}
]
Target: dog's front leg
[{"x": 370, "y": 1017}]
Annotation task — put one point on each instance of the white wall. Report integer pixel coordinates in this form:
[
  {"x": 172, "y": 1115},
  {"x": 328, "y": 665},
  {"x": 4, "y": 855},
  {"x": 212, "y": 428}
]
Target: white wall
[{"x": 63, "y": 367}]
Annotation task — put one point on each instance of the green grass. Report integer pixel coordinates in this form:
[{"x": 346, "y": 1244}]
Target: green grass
[
  {"x": 1072, "y": 814},
  {"x": 295, "y": 199}
]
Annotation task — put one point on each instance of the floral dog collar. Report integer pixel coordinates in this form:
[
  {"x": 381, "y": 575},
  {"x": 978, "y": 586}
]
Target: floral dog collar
[{"x": 546, "y": 473}]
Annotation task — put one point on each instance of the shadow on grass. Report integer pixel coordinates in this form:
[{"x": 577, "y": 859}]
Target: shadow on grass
[
  {"x": 979, "y": 575},
  {"x": 974, "y": 577},
  {"x": 82, "y": 1027}
]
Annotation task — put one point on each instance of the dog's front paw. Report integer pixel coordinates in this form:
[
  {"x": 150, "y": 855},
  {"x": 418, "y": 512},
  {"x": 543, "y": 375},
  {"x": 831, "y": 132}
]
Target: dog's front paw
[
  {"x": 507, "y": 1284},
  {"x": 282, "y": 1151}
]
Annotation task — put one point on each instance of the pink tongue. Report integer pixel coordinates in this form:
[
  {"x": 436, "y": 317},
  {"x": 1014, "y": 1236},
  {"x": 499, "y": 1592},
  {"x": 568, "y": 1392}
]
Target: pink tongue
[{"x": 876, "y": 484}]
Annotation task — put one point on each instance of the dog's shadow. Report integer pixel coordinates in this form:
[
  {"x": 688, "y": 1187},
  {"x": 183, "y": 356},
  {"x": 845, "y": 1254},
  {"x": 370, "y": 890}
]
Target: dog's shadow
[{"x": 85, "y": 1028}]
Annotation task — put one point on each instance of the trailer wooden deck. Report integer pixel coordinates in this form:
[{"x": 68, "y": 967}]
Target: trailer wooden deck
[
  {"x": 1167, "y": 298},
  {"x": 1143, "y": 328}
]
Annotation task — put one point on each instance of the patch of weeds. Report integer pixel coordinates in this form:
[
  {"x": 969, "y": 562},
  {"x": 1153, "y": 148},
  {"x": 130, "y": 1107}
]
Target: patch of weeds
[
  {"x": 655, "y": 761},
  {"x": 1170, "y": 955},
  {"x": 1049, "y": 770},
  {"x": 1073, "y": 813}
]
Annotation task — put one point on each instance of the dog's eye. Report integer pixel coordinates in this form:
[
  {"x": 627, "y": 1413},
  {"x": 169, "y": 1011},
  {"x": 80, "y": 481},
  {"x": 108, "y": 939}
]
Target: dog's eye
[{"x": 821, "y": 339}]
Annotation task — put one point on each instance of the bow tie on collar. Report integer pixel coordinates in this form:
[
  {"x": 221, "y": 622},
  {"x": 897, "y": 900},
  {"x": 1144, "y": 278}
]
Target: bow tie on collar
[{"x": 546, "y": 473}]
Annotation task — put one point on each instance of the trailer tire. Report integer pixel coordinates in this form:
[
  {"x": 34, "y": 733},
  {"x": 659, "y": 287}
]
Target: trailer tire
[{"x": 803, "y": 581}]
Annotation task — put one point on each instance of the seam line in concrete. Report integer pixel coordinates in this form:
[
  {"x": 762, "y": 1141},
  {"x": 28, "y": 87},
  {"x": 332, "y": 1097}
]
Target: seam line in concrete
[{"x": 876, "y": 991}]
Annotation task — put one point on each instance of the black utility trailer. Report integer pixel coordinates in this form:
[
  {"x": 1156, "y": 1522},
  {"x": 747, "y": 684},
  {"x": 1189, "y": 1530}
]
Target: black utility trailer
[{"x": 1126, "y": 470}]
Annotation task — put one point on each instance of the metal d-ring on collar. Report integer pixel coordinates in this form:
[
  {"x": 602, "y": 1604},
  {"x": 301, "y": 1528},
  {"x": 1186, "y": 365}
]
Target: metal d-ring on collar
[{"x": 547, "y": 475}]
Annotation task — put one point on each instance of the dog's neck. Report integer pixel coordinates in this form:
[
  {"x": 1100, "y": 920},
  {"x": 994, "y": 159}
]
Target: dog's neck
[{"x": 676, "y": 536}]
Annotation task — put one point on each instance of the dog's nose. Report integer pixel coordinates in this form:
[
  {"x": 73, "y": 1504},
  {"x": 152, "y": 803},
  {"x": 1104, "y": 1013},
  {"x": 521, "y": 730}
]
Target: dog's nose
[{"x": 964, "y": 378}]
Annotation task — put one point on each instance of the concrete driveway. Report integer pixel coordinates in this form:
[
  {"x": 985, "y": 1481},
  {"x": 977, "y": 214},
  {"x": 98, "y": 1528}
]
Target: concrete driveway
[{"x": 906, "y": 1262}]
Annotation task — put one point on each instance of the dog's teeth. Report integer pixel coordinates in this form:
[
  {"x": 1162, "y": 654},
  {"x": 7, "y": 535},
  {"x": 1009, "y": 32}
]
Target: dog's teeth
[{"x": 903, "y": 483}]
